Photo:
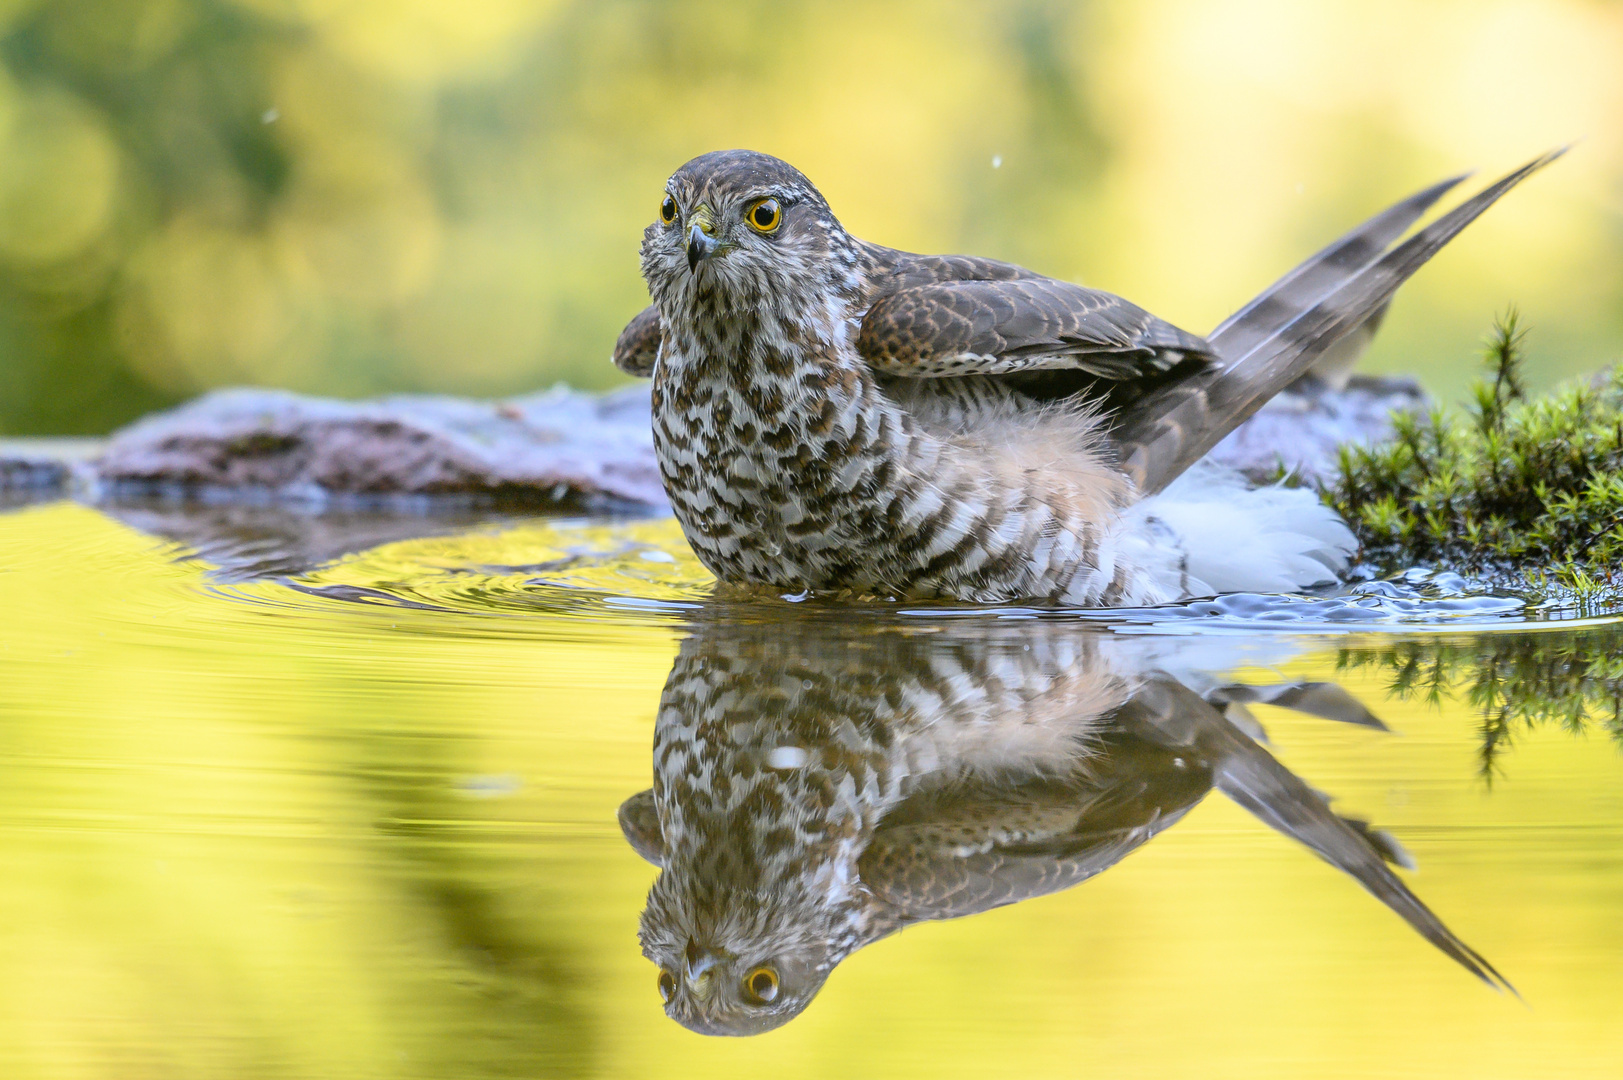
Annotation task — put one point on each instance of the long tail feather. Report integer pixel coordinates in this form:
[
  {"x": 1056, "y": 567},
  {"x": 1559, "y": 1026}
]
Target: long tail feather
[
  {"x": 1322, "y": 273},
  {"x": 1272, "y": 340}
]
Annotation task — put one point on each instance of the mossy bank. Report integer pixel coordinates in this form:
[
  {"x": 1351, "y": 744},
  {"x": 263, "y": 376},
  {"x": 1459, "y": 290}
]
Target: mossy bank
[{"x": 1524, "y": 492}]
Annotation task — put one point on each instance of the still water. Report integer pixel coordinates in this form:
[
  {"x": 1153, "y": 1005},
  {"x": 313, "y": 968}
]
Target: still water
[{"x": 362, "y": 796}]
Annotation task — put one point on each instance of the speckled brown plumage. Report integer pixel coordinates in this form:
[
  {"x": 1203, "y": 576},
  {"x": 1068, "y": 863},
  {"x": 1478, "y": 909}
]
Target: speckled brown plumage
[{"x": 834, "y": 415}]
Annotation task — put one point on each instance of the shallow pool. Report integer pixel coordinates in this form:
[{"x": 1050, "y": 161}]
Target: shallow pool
[{"x": 361, "y": 796}]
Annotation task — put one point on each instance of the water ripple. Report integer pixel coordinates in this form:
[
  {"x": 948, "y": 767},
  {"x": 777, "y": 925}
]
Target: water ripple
[{"x": 641, "y": 569}]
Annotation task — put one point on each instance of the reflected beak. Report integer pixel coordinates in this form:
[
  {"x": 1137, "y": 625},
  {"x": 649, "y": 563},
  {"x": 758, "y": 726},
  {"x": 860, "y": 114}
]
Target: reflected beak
[
  {"x": 701, "y": 245},
  {"x": 699, "y": 963}
]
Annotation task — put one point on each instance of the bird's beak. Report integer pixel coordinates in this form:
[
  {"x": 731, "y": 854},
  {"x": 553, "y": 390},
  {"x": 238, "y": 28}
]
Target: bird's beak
[
  {"x": 702, "y": 242},
  {"x": 699, "y": 963}
]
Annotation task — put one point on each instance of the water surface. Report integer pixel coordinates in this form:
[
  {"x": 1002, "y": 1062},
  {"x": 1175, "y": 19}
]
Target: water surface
[{"x": 328, "y": 797}]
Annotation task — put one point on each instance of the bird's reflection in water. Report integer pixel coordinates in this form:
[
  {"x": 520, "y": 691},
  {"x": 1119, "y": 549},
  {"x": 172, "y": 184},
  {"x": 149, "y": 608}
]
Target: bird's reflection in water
[{"x": 818, "y": 786}]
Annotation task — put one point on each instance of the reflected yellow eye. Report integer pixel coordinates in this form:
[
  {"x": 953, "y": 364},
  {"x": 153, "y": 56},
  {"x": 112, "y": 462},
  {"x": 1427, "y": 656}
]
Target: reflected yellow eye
[
  {"x": 761, "y": 985},
  {"x": 667, "y": 210},
  {"x": 667, "y": 985},
  {"x": 763, "y": 217}
]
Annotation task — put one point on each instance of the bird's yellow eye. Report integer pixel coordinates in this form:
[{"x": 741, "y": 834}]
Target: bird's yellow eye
[
  {"x": 764, "y": 216},
  {"x": 761, "y": 985},
  {"x": 667, "y": 985},
  {"x": 667, "y": 210}
]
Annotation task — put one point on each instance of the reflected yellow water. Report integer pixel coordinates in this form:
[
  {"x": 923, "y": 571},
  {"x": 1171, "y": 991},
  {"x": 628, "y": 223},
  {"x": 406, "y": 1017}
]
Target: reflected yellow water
[{"x": 251, "y": 832}]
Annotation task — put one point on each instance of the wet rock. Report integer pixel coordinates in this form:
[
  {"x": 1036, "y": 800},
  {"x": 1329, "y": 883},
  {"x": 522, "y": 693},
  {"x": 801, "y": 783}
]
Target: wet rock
[
  {"x": 556, "y": 447},
  {"x": 34, "y": 471},
  {"x": 21, "y": 474},
  {"x": 1301, "y": 427}
]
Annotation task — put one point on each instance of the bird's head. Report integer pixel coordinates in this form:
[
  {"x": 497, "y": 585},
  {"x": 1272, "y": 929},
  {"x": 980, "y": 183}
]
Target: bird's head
[
  {"x": 737, "y": 230},
  {"x": 735, "y": 962}
]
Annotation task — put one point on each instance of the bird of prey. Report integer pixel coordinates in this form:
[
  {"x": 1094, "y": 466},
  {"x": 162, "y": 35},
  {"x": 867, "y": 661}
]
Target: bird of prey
[
  {"x": 837, "y": 416},
  {"x": 819, "y": 787}
]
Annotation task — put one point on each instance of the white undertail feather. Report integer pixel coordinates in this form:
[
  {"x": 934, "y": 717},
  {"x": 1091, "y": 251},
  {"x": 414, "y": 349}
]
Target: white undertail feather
[{"x": 1209, "y": 532}]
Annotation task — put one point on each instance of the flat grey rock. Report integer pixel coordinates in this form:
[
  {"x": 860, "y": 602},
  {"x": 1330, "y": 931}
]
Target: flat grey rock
[
  {"x": 1301, "y": 428},
  {"x": 33, "y": 470},
  {"x": 556, "y": 447}
]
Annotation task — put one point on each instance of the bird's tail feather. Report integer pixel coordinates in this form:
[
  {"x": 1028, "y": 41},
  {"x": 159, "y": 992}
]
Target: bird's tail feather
[
  {"x": 1251, "y": 777},
  {"x": 1275, "y": 338},
  {"x": 1320, "y": 274},
  {"x": 1255, "y": 780}
]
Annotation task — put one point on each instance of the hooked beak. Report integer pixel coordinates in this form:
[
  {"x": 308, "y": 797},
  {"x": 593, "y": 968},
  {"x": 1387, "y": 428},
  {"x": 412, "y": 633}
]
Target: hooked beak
[
  {"x": 701, "y": 246},
  {"x": 702, "y": 242},
  {"x": 699, "y": 963}
]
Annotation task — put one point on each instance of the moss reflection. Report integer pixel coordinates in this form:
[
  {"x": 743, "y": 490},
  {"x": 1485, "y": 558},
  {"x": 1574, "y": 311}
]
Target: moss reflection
[{"x": 1515, "y": 683}]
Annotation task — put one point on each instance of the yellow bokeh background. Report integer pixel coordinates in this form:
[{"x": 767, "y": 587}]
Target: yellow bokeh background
[{"x": 356, "y": 196}]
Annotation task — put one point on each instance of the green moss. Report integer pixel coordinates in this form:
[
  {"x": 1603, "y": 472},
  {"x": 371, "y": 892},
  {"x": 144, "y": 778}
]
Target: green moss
[{"x": 1510, "y": 487}]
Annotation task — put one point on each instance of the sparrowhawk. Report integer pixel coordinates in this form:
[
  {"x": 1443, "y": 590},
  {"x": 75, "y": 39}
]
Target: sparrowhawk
[{"x": 837, "y": 416}]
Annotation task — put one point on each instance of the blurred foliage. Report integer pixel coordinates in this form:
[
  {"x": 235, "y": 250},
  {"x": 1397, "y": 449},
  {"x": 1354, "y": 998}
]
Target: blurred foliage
[
  {"x": 1528, "y": 487},
  {"x": 1515, "y": 682},
  {"x": 354, "y": 196}
]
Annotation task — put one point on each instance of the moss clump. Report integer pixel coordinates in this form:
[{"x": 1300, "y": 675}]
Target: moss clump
[
  {"x": 1511, "y": 486},
  {"x": 1516, "y": 683}
]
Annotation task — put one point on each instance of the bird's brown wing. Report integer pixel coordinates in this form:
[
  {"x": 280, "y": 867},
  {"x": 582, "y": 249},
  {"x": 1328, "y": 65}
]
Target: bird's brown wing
[
  {"x": 945, "y": 854},
  {"x": 638, "y": 345},
  {"x": 1009, "y": 327}
]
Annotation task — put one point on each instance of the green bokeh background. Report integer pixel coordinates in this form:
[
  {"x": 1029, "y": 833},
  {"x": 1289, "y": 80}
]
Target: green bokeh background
[{"x": 357, "y": 196}]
